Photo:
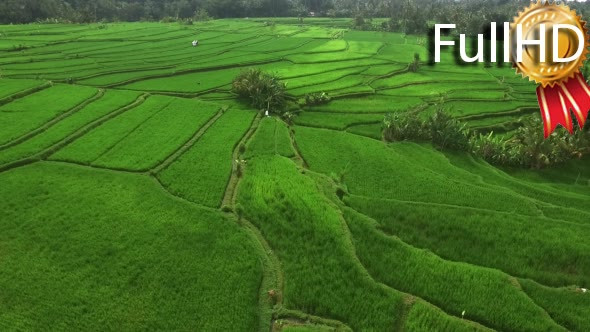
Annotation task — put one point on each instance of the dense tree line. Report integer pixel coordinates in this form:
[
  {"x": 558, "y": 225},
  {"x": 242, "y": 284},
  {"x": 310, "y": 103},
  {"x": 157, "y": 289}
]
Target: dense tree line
[{"x": 410, "y": 16}]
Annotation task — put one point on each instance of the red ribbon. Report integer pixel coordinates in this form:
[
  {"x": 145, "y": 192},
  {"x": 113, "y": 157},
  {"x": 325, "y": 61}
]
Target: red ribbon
[{"x": 557, "y": 101}]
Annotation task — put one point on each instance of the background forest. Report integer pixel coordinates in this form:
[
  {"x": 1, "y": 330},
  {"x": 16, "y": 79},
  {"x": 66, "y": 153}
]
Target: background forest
[{"x": 410, "y": 16}]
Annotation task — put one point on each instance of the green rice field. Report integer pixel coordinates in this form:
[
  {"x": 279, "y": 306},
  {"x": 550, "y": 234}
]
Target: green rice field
[{"x": 139, "y": 193}]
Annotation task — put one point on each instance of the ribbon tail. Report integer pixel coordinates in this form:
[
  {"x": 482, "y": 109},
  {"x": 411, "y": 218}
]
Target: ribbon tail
[
  {"x": 557, "y": 103},
  {"x": 577, "y": 92},
  {"x": 553, "y": 109}
]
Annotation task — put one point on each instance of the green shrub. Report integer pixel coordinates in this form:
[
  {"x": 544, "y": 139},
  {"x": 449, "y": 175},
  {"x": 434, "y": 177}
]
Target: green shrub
[
  {"x": 202, "y": 15},
  {"x": 316, "y": 98},
  {"x": 490, "y": 147},
  {"x": 415, "y": 64},
  {"x": 441, "y": 129},
  {"x": 447, "y": 132},
  {"x": 264, "y": 90},
  {"x": 529, "y": 148},
  {"x": 404, "y": 126}
]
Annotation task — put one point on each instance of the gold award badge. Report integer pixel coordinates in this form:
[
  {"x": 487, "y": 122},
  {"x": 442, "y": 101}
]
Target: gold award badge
[{"x": 551, "y": 46}]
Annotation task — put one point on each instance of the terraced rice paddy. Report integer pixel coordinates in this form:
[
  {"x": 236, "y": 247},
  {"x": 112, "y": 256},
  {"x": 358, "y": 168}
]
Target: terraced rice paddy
[{"x": 139, "y": 194}]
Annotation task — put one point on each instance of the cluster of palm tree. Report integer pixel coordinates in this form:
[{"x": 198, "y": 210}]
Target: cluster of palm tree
[
  {"x": 262, "y": 90},
  {"x": 527, "y": 147}
]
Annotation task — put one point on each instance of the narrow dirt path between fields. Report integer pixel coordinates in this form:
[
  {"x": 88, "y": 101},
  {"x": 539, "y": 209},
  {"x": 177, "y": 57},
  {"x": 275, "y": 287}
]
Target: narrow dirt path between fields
[
  {"x": 229, "y": 196},
  {"x": 270, "y": 293}
]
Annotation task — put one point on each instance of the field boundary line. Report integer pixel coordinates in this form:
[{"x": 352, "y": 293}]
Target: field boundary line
[
  {"x": 196, "y": 70},
  {"x": 273, "y": 278},
  {"x": 408, "y": 303},
  {"x": 187, "y": 145},
  {"x": 522, "y": 110},
  {"x": 478, "y": 266},
  {"x": 406, "y": 295},
  {"x": 389, "y": 75},
  {"x": 298, "y": 316},
  {"x": 187, "y": 95},
  {"x": 517, "y": 281},
  {"x": 422, "y": 83},
  {"x": 114, "y": 72},
  {"x": 99, "y": 94},
  {"x": 128, "y": 133},
  {"x": 24, "y": 93},
  {"x": 350, "y": 247},
  {"x": 72, "y": 137},
  {"x": 543, "y": 188},
  {"x": 295, "y": 147},
  {"x": 229, "y": 195}
]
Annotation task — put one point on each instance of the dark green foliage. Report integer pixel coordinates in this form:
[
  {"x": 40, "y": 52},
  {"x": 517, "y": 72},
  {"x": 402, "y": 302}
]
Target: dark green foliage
[
  {"x": 415, "y": 64},
  {"x": 362, "y": 23},
  {"x": 317, "y": 98},
  {"x": 402, "y": 126},
  {"x": 202, "y": 15},
  {"x": 264, "y": 91},
  {"x": 490, "y": 147},
  {"x": 440, "y": 128},
  {"x": 447, "y": 132},
  {"x": 528, "y": 148}
]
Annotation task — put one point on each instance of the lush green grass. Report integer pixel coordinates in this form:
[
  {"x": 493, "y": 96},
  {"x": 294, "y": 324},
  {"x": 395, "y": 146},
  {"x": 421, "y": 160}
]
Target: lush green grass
[
  {"x": 195, "y": 82},
  {"x": 369, "y": 235},
  {"x": 335, "y": 120},
  {"x": 369, "y": 130},
  {"x": 118, "y": 78},
  {"x": 110, "y": 102},
  {"x": 10, "y": 87},
  {"x": 322, "y": 277},
  {"x": 570, "y": 307},
  {"x": 26, "y": 114},
  {"x": 158, "y": 137},
  {"x": 453, "y": 209},
  {"x": 272, "y": 137},
  {"x": 544, "y": 249},
  {"x": 422, "y": 317},
  {"x": 201, "y": 173},
  {"x": 312, "y": 80},
  {"x": 373, "y": 104},
  {"x": 84, "y": 250},
  {"x": 99, "y": 141},
  {"x": 488, "y": 296}
]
